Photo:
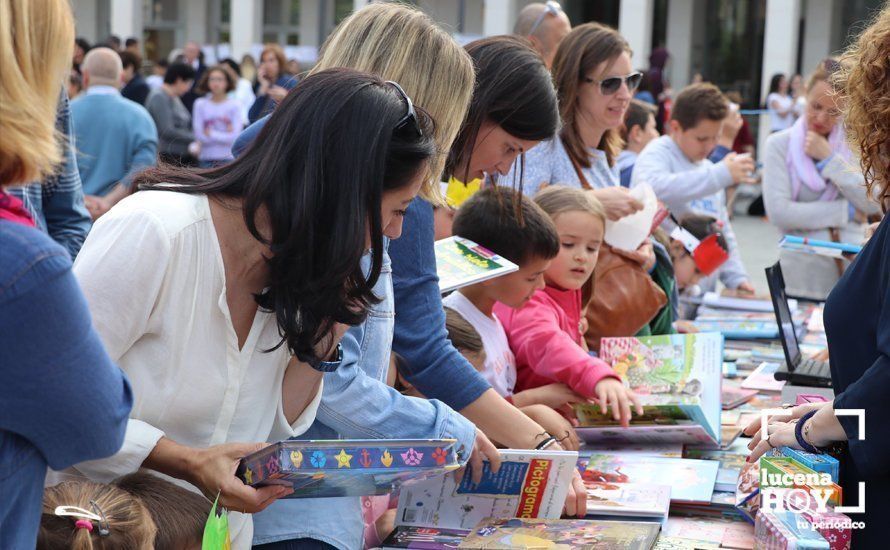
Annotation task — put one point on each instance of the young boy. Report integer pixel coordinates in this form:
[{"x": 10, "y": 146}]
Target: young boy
[
  {"x": 638, "y": 130},
  {"x": 514, "y": 227},
  {"x": 678, "y": 169}
]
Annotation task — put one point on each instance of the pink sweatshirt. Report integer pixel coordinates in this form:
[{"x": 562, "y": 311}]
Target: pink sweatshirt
[{"x": 546, "y": 339}]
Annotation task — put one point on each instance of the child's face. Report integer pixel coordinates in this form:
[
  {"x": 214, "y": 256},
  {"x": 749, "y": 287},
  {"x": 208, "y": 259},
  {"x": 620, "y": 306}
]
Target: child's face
[
  {"x": 685, "y": 270},
  {"x": 580, "y": 239},
  {"x": 697, "y": 142},
  {"x": 516, "y": 289}
]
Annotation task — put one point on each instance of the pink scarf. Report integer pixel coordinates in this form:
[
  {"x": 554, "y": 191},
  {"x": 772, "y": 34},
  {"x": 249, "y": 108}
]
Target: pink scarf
[
  {"x": 802, "y": 168},
  {"x": 12, "y": 209}
]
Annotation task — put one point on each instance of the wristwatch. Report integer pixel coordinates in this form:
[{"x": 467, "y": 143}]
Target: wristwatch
[{"x": 327, "y": 366}]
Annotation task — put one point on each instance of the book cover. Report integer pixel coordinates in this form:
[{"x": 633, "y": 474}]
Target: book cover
[
  {"x": 677, "y": 378},
  {"x": 725, "y": 532},
  {"x": 346, "y": 467},
  {"x": 461, "y": 262},
  {"x": 731, "y": 462},
  {"x": 682, "y": 543},
  {"x": 732, "y": 396},
  {"x": 628, "y": 499},
  {"x": 530, "y": 484},
  {"x": 561, "y": 534},
  {"x": 690, "y": 480},
  {"x": 668, "y": 450},
  {"x": 424, "y": 538},
  {"x": 764, "y": 378},
  {"x": 739, "y": 330},
  {"x": 821, "y": 463},
  {"x": 781, "y": 530},
  {"x": 820, "y": 247},
  {"x": 716, "y": 301},
  {"x": 773, "y": 470}
]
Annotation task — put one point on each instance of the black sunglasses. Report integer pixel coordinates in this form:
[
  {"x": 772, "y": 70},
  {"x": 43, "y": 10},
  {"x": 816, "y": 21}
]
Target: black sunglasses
[
  {"x": 410, "y": 116},
  {"x": 609, "y": 86}
]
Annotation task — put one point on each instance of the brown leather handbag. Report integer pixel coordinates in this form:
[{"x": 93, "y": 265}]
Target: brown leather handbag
[{"x": 620, "y": 298}]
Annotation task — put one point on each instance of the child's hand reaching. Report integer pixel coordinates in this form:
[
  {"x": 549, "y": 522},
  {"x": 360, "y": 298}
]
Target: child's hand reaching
[
  {"x": 555, "y": 396},
  {"x": 555, "y": 424},
  {"x": 612, "y": 394}
]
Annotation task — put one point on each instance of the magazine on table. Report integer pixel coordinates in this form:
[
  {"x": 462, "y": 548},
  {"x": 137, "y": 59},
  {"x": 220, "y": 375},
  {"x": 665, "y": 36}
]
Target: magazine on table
[
  {"x": 678, "y": 380},
  {"x": 529, "y": 484},
  {"x": 337, "y": 468},
  {"x": 561, "y": 534},
  {"x": 461, "y": 262}
]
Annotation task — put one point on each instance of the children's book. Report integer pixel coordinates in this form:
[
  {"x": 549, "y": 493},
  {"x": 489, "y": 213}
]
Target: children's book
[
  {"x": 690, "y": 480},
  {"x": 816, "y": 322},
  {"x": 628, "y": 499},
  {"x": 461, "y": 262},
  {"x": 732, "y": 396},
  {"x": 739, "y": 330},
  {"x": 529, "y": 484},
  {"x": 667, "y": 450},
  {"x": 821, "y": 463},
  {"x": 677, "y": 378},
  {"x": 561, "y": 534},
  {"x": 816, "y": 246},
  {"x": 781, "y": 530},
  {"x": 338, "y": 468},
  {"x": 682, "y": 543},
  {"x": 727, "y": 533},
  {"x": 715, "y": 300},
  {"x": 764, "y": 379},
  {"x": 731, "y": 462},
  {"x": 424, "y": 538}
]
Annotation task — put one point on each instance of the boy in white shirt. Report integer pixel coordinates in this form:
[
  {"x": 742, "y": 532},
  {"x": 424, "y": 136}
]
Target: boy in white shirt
[
  {"x": 512, "y": 226},
  {"x": 678, "y": 169}
]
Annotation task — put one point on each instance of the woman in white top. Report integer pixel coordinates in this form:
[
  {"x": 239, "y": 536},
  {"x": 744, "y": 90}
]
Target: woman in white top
[
  {"x": 779, "y": 104},
  {"x": 812, "y": 187},
  {"x": 223, "y": 293}
]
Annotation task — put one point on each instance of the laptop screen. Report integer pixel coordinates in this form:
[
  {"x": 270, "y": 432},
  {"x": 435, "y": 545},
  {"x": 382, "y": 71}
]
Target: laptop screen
[{"x": 783, "y": 315}]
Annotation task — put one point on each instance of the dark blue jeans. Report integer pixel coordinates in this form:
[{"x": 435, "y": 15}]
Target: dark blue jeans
[{"x": 296, "y": 544}]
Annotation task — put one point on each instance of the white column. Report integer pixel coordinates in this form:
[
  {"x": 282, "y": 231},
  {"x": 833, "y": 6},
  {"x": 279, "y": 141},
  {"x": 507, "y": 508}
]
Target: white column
[
  {"x": 196, "y": 15},
  {"x": 780, "y": 39},
  {"x": 310, "y": 22},
  {"x": 126, "y": 18},
  {"x": 85, "y": 17},
  {"x": 679, "y": 42},
  {"x": 635, "y": 24},
  {"x": 499, "y": 17},
  {"x": 358, "y": 4},
  {"x": 817, "y": 33},
  {"x": 245, "y": 25}
]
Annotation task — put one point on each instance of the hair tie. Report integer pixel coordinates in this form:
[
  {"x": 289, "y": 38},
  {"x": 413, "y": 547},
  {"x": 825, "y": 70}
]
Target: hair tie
[{"x": 84, "y": 524}]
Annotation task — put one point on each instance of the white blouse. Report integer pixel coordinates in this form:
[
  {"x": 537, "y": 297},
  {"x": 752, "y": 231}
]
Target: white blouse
[{"x": 152, "y": 272}]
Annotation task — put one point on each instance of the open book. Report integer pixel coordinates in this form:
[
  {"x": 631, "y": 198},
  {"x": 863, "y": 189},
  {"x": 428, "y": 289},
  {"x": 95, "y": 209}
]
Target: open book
[
  {"x": 461, "y": 262},
  {"x": 338, "y": 468},
  {"x": 530, "y": 484},
  {"x": 677, "y": 378}
]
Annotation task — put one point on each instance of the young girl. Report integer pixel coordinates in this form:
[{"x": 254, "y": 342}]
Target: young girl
[
  {"x": 83, "y": 515},
  {"x": 217, "y": 119},
  {"x": 546, "y": 335}
]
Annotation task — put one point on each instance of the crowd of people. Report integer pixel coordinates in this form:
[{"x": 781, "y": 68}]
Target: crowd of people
[{"x": 192, "y": 267}]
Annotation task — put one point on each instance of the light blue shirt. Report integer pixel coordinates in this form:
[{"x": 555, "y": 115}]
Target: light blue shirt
[
  {"x": 115, "y": 139},
  {"x": 548, "y": 163},
  {"x": 357, "y": 404}
]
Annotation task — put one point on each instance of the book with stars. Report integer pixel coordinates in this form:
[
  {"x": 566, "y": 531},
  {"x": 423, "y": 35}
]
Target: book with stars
[{"x": 339, "y": 468}]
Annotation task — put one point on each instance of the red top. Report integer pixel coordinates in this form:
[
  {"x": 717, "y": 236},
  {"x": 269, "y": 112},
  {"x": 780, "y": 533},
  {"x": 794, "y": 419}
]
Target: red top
[
  {"x": 13, "y": 209},
  {"x": 546, "y": 339}
]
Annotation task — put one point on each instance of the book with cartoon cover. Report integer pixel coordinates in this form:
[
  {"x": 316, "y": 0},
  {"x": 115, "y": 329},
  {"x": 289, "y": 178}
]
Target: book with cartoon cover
[
  {"x": 739, "y": 330},
  {"x": 529, "y": 484},
  {"x": 645, "y": 500},
  {"x": 424, "y": 538},
  {"x": 337, "y": 468},
  {"x": 678, "y": 380},
  {"x": 690, "y": 480},
  {"x": 461, "y": 262},
  {"x": 562, "y": 534}
]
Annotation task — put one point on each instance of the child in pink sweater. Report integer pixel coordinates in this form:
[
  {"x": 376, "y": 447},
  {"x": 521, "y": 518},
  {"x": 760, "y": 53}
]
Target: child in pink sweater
[{"x": 545, "y": 335}]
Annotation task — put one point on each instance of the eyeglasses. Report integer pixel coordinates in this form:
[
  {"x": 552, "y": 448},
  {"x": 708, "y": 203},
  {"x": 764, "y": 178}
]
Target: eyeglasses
[
  {"x": 410, "y": 116},
  {"x": 609, "y": 86},
  {"x": 550, "y": 8}
]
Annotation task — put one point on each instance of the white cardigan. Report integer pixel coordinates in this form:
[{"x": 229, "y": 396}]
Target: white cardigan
[{"x": 152, "y": 272}]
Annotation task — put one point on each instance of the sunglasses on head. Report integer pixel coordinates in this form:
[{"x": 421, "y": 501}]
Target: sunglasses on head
[
  {"x": 550, "y": 8},
  {"x": 609, "y": 86},
  {"x": 410, "y": 118}
]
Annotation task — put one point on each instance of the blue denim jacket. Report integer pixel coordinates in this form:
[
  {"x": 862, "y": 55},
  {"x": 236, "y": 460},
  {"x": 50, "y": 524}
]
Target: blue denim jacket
[{"x": 356, "y": 403}]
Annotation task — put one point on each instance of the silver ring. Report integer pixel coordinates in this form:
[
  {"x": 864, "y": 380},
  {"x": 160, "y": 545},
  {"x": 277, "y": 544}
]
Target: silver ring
[{"x": 771, "y": 446}]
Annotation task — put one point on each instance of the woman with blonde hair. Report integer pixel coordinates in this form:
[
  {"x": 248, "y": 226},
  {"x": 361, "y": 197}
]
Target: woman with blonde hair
[
  {"x": 857, "y": 313},
  {"x": 812, "y": 188},
  {"x": 62, "y": 400}
]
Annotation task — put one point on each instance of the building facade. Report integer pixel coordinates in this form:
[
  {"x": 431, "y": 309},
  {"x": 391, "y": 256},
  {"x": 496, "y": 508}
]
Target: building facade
[{"x": 723, "y": 40}]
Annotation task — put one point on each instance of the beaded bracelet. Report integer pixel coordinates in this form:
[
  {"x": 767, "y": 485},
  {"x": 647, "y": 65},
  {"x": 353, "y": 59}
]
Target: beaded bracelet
[{"x": 798, "y": 434}]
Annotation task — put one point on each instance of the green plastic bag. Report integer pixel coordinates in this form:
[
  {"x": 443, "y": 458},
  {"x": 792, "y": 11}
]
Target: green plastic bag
[{"x": 216, "y": 530}]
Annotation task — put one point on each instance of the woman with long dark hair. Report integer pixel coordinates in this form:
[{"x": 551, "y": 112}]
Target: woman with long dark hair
[{"x": 238, "y": 281}]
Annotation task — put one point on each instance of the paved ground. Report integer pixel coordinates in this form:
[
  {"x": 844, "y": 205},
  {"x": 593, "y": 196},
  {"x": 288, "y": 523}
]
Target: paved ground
[{"x": 759, "y": 242}]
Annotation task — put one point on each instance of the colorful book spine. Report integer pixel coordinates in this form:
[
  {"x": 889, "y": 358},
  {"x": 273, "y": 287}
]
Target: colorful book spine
[
  {"x": 821, "y": 463},
  {"x": 787, "y": 473},
  {"x": 780, "y": 531},
  {"x": 795, "y": 241},
  {"x": 834, "y": 527}
]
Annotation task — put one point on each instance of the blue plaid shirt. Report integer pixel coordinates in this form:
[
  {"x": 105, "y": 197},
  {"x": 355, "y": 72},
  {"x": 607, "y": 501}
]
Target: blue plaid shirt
[{"x": 56, "y": 204}]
